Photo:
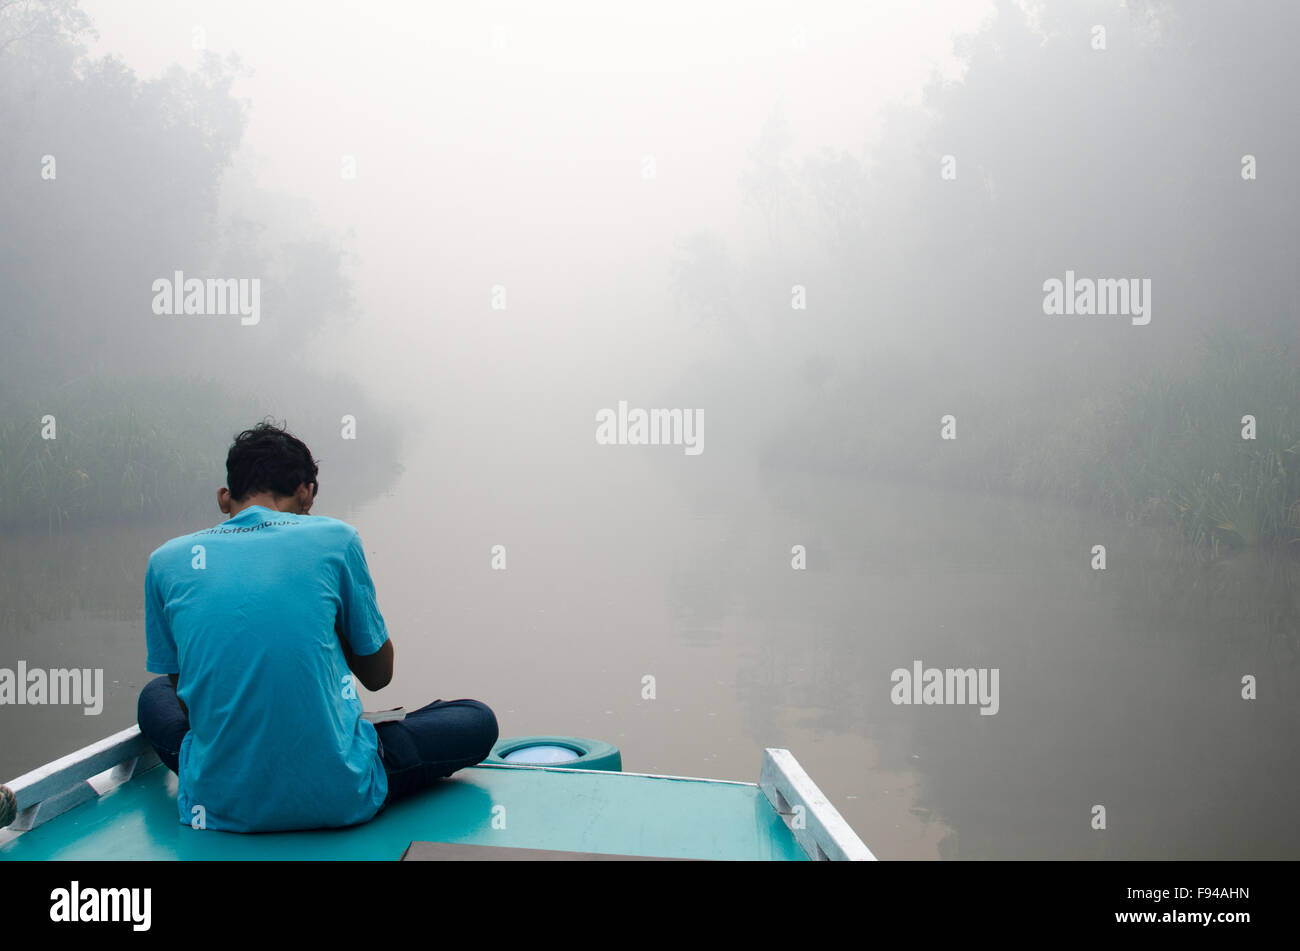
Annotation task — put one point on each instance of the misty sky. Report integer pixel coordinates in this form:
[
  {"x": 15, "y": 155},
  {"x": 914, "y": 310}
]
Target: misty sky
[{"x": 505, "y": 145}]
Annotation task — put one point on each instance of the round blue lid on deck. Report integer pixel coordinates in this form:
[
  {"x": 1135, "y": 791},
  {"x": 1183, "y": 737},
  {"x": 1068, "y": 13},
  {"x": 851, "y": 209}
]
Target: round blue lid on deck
[{"x": 541, "y": 754}]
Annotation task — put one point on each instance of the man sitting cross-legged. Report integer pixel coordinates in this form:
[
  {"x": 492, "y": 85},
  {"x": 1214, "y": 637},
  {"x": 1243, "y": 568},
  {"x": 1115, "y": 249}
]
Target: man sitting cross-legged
[{"x": 262, "y": 626}]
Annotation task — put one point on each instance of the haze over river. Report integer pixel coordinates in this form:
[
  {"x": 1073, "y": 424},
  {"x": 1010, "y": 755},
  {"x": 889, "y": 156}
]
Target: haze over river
[{"x": 1116, "y": 687}]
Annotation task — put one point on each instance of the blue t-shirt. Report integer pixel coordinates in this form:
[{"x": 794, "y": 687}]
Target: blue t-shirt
[{"x": 245, "y": 613}]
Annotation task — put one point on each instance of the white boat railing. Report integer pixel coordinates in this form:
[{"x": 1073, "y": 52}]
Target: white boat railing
[
  {"x": 817, "y": 825},
  {"x": 51, "y": 790}
]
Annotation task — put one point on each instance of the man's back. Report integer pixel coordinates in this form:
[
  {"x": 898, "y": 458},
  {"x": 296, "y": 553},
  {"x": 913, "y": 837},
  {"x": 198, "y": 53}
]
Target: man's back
[{"x": 245, "y": 613}]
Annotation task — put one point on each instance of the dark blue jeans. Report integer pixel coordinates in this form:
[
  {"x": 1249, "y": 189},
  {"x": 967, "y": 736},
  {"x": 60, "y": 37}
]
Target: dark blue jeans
[{"x": 431, "y": 743}]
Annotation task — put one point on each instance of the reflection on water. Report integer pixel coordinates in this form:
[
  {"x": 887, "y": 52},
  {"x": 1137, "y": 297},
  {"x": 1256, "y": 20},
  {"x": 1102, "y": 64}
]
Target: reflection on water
[
  {"x": 73, "y": 600},
  {"x": 1119, "y": 687}
]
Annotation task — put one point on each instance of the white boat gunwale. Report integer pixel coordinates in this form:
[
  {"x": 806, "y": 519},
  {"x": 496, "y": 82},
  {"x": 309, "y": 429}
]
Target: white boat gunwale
[
  {"x": 820, "y": 829},
  {"x": 51, "y": 790}
]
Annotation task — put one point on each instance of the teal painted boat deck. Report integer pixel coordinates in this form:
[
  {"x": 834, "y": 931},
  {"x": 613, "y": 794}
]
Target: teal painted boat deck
[{"x": 561, "y": 809}]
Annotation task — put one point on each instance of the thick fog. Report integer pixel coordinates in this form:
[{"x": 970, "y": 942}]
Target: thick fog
[
  {"x": 1038, "y": 252},
  {"x": 499, "y": 221}
]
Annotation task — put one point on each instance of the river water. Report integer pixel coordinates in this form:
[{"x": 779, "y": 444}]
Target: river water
[{"x": 1119, "y": 688}]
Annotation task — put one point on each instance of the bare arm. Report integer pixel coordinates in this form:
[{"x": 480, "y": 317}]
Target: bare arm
[{"x": 375, "y": 671}]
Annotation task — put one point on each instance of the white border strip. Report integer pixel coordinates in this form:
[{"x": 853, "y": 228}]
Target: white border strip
[{"x": 817, "y": 826}]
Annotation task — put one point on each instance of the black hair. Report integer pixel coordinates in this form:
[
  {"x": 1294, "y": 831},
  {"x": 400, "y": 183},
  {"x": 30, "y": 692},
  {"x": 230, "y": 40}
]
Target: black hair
[{"x": 267, "y": 458}]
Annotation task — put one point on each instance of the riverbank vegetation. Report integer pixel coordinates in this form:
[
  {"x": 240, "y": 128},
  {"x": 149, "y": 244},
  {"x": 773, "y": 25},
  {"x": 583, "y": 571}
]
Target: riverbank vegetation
[
  {"x": 155, "y": 448},
  {"x": 869, "y": 294},
  {"x": 112, "y": 182},
  {"x": 1164, "y": 448}
]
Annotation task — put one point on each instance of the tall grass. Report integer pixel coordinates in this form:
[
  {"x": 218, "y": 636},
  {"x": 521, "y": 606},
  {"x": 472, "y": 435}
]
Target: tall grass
[
  {"x": 1169, "y": 448},
  {"x": 121, "y": 449},
  {"x": 1158, "y": 444}
]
